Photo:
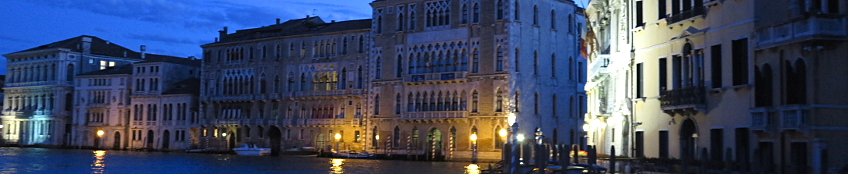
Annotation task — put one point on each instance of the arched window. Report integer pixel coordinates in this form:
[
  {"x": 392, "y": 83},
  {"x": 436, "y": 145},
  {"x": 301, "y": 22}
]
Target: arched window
[
  {"x": 396, "y": 137},
  {"x": 536, "y": 62},
  {"x": 476, "y": 13},
  {"x": 553, "y": 65},
  {"x": 516, "y": 57},
  {"x": 536, "y": 103},
  {"x": 516, "y": 10},
  {"x": 500, "y": 12},
  {"x": 302, "y": 49},
  {"x": 361, "y": 44},
  {"x": 570, "y": 24},
  {"x": 399, "y": 67},
  {"x": 412, "y": 18},
  {"x": 410, "y": 102},
  {"x": 262, "y": 84},
  {"x": 535, "y": 15},
  {"x": 377, "y": 104},
  {"x": 553, "y": 19},
  {"x": 379, "y": 22},
  {"x": 498, "y": 100},
  {"x": 401, "y": 23},
  {"x": 464, "y": 14},
  {"x": 291, "y": 50},
  {"x": 359, "y": 78},
  {"x": 554, "y": 106},
  {"x": 500, "y": 59},
  {"x": 517, "y": 101},
  {"x": 475, "y": 63},
  {"x": 344, "y": 45},
  {"x": 463, "y": 61}
]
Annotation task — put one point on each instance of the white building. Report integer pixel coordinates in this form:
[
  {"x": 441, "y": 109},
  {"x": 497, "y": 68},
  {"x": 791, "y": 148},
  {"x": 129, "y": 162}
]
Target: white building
[
  {"x": 102, "y": 100},
  {"x": 40, "y": 85}
]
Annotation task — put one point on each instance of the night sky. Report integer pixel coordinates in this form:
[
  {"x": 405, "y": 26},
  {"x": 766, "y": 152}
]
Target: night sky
[{"x": 169, "y": 27}]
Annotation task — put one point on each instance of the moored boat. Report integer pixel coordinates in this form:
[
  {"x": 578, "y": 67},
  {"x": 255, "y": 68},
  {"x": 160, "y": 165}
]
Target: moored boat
[
  {"x": 354, "y": 155},
  {"x": 250, "y": 149}
]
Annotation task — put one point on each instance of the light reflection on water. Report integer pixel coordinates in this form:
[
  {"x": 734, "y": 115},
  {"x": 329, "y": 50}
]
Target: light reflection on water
[
  {"x": 98, "y": 166},
  {"x": 36, "y": 160},
  {"x": 472, "y": 169}
]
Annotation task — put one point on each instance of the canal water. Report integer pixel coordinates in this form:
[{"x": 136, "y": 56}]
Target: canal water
[{"x": 40, "y": 160}]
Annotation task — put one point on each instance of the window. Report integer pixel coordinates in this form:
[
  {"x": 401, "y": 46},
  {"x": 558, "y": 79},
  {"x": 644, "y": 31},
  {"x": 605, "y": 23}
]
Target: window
[
  {"x": 536, "y": 103},
  {"x": 400, "y": 24},
  {"x": 474, "y": 100},
  {"x": 464, "y": 14},
  {"x": 715, "y": 57},
  {"x": 535, "y": 15},
  {"x": 640, "y": 14},
  {"x": 536, "y": 62},
  {"x": 397, "y": 104},
  {"x": 516, "y": 10},
  {"x": 517, "y": 101},
  {"x": 500, "y": 12},
  {"x": 553, "y": 19},
  {"x": 516, "y": 57},
  {"x": 500, "y": 59},
  {"x": 379, "y": 68},
  {"x": 740, "y": 62},
  {"x": 554, "y": 105},
  {"x": 663, "y": 75},
  {"x": 476, "y": 13},
  {"x": 639, "y": 144},
  {"x": 661, "y": 9},
  {"x": 399, "y": 67},
  {"x": 639, "y": 79},
  {"x": 361, "y": 45},
  {"x": 396, "y": 137},
  {"x": 498, "y": 100},
  {"x": 379, "y": 21},
  {"x": 675, "y": 7},
  {"x": 717, "y": 144},
  {"x": 475, "y": 64},
  {"x": 302, "y": 49},
  {"x": 553, "y": 67},
  {"x": 377, "y": 105},
  {"x": 412, "y": 17},
  {"x": 570, "y": 24},
  {"x": 580, "y": 71},
  {"x": 103, "y": 64},
  {"x": 357, "y": 136},
  {"x": 437, "y": 13},
  {"x": 663, "y": 144}
]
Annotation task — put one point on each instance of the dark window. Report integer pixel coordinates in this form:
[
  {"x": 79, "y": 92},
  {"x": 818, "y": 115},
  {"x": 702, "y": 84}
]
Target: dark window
[
  {"x": 639, "y": 14},
  {"x": 640, "y": 144},
  {"x": 661, "y": 9},
  {"x": 639, "y": 79},
  {"x": 663, "y": 144},
  {"x": 832, "y": 6},
  {"x": 675, "y": 7},
  {"x": 500, "y": 11},
  {"x": 716, "y": 144},
  {"x": 663, "y": 75},
  {"x": 715, "y": 52},
  {"x": 742, "y": 148},
  {"x": 740, "y": 62}
]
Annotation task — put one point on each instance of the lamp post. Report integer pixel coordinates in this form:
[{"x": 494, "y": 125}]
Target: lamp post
[
  {"x": 100, "y": 136},
  {"x": 377, "y": 145},
  {"x": 226, "y": 141},
  {"x": 338, "y": 137},
  {"x": 474, "y": 148},
  {"x": 516, "y": 138}
]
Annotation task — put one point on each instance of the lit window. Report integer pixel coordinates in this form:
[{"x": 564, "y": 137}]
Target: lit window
[
  {"x": 111, "y": 64},
  {"x": 102, "y": 64}
]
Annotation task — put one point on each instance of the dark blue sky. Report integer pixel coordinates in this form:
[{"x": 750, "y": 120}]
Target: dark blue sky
[{"x": 169, "y": 27}]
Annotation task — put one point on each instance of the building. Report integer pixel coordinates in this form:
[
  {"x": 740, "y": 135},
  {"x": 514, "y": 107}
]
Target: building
[
  {"x": 796, "y": 104},
  {"x": 609, "y": 113},
  {"x": 442, "y": 71},
  {"x": 102, "y": 100},
  {"x": 39, "y": 89},
  {"x": 288, "y": 85}
]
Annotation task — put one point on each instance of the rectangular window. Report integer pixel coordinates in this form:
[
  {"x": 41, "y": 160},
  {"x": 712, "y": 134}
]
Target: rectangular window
[
  {"x": 663, "y": 75},
  {"x": 357, "y": 137},
  {"x": 716, "y": 144},
  {"x": 675, "y": 7},
  {"x": 103, "y": 64},
  {"x": 639, "y": 80},
  {"x": 740, "y": 62},
  {"x": 661, "y": 9},
  {"x": 715, "y": 58},
  {"x": 639, "y": 14},
  {"x": 676, "y": 72},
  {"x": 640, "y": 144},
  {"x": 663, "y": 144}
]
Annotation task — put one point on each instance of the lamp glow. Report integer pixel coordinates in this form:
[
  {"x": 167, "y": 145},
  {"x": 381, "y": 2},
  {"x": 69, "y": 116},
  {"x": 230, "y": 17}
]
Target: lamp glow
[
  {"x": 502, "y": 132},
  {"x": 224, "y": 134},
  {"x": 510, "y": 118},
  {"x": 585, "y": 127},
  {"x": 377, "y": 137},
  {"x": 338, "y": 136},
  {"x": 520, "y": 137},
  {"x": 474, "y": 137},
  {"x": 1, "y": 126},
  {"x": 100, "y": 133}
]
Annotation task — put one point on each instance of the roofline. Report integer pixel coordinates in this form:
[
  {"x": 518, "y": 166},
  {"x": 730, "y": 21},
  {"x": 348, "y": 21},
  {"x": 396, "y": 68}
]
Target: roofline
[
  {"x": 96, "y": 75},
  {"x": 282, "y": 37},
  {"x": 37, "y": 51}
]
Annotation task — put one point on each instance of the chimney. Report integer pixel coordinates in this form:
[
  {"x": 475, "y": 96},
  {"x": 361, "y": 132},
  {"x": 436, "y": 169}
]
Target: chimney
[
  {"x": 332, "y": 21},
  {"x": 278, "y": 20},
  {"x": 192, "y": 58},
  {"x": 222, "y": 33},
  {"x": 143, "y": 50},
  {"x": 86, "y": 45}
]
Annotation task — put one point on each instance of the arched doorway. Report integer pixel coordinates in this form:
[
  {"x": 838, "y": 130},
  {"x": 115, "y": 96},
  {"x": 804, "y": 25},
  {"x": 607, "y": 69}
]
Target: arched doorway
[
  {"x": 150, "y": 139},
  {"x": 275, "y": 135},
  {"x": 434, "y": 144},
  {"x": 688, "y": 133},
  {"x": 117, "y": 144},
  {"x": 166, "y": 139},
  {"x": 231, "y": 140}
]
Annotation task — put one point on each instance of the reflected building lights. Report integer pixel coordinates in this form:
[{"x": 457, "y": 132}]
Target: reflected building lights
[
  {"x": 98, "y": 165},
  {"x": 337, "y": 165},
  {"x": 472, "y": 169}
]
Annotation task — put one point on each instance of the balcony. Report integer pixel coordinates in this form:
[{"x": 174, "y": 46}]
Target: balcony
[
  {"x": 763, "y": 119},
  {"x": 698, "y": 10},
  {"x": 326, "y": 122},
  {"x": 802, "y": 29},
  {"x": 794, "y": 117},
  {"x": 329, "y": 93},
  {"x": 688, "y": 100},
  {"x": 231, "y": 98},
  {"x": 459, "y": 76},
  {"x": 97, "y": 105},
  {"x": 598, "y": 67},
  {"x": 435, "y": 115},
  {"x": 39, "y": 83}
]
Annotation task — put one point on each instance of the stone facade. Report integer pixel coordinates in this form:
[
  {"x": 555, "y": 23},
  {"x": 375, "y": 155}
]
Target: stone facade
[
  {"x": 289, "y": 85},
  {"x": 443, "y": 70},
  {"x": 40, "y": 85}
]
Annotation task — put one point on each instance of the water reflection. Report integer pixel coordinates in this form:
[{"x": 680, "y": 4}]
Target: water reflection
[
  {"x": 98, "y": 165},
  {"x": 337, "y": 165},
  {"x": 472, "y": 169}
]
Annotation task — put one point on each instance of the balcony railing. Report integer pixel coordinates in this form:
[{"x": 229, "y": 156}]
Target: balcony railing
[
  {"x": 444, "y": 76},
  {"x": 39, "y": 83},
  {"x": 808, "y": 26},
  {"x": 599, "y": 66},
  {"x": 696, "y": 11},
  {"x": 682, "y": 98},
  {"x": 763, "y": 119},
  {"x": 326, "y": 122},
  {"x": 435, "y": 115},
  {"x": 793, "y": 118},
  {"x": 339, "y": 92}
]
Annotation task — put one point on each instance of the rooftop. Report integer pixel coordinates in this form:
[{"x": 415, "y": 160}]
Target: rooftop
[{"x": 303, "y": 26}]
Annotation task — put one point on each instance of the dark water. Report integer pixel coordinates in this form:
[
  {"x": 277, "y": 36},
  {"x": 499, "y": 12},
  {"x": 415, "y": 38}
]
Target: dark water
[{"x": 39, "y": 160}]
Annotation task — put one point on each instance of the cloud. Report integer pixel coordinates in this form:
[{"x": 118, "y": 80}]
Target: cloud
[
  {"x": 160, "y": 38},
  {"x": 16, "y": 39}
]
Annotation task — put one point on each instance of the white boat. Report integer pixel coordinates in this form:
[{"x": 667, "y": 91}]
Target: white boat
[
  {"x": 353, "y": 154},
  {"x": 250, "y": 149}
]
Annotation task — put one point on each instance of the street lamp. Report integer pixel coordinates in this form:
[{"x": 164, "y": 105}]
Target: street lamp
[
  {"x": 377, "y": 145},
  {"x": 226, "y": 141},
  {"x": 474, "y": 148},
  {"x": 100, "y": 136},
  {"x": 338, "y": 137}
]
